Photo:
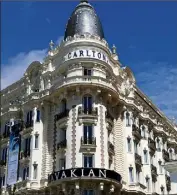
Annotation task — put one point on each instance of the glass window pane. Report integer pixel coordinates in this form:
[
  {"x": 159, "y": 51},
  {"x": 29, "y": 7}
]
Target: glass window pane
[
  {"x": 90, "y": 159},
  {"x": 85, "y": 161}
]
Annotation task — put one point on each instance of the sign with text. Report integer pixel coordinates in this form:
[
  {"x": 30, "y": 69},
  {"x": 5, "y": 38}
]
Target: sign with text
[
  {"x": 13, "y": 158},
  {"x": 84, "y": 172},
  {"x": 86, "y": 53}
]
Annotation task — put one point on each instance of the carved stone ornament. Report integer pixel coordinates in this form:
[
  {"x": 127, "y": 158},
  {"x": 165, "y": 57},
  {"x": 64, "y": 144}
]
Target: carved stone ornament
[{"x": 127, "y": 87}]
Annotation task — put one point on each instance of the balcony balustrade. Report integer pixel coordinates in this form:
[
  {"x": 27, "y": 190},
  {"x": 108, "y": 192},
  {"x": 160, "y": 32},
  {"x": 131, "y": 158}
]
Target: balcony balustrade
[
  {"x": 88, "y": 143},
  {"x": 92, "y": 111},
  {"x": 111, "y": 148},
  {"x": 138, "y": 159},
  {"x": 62, "y": 144},
  {"x": 165, "y": 155},
  {"x": 136, "y": 132},
  {"x": 2, "y": 163},
  {"x": 168, "y": 182},
  {"x": 6, "y": 134},
  {"x": 24, "y": 155},
  {"x": 109, "y": 119},
  {"x": 151, "y": 145},
  {"x": 28, "y": 124},
  {"x": 153, "y": 170},
  {"x": 61, "y": 115}
]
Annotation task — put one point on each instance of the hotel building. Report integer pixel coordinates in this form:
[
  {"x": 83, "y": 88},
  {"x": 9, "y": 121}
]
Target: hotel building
[{"x": 80, "y": 125}]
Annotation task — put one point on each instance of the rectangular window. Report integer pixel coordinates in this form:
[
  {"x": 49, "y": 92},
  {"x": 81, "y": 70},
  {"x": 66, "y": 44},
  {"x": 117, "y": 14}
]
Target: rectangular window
[
  {"x": 145, "y": 156},
  {"x": 87, "y": 72},
  {"x": 129, "y": 144},
  {"x": 3, "y": 180},
  {"x": 137, "y": 176},
  {"x": 35, "y": 171},
  {"x": 88, "y": 134},
  {"x": 62, "y": 164},
  {"x": 136, "y": 147},
  {"x": 127, "y": 119},
  {"x": 148, "y": 184},
  {"x": 153, "y": 186},
  {"x": 160, "y": 167},
  {"x": 88, "y": 160},
  {"x": 38, "y": 116},
  {"x": 87, "y": 103},
  {"x": 36, "y": 141},
  {"x": 131, "y": 178},
  {"x": 24, "y": 174}
]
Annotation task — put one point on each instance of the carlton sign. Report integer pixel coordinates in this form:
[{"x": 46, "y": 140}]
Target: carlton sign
[
  {"x": 84, "y": 173},
  {"x": 86, "y": 53}
]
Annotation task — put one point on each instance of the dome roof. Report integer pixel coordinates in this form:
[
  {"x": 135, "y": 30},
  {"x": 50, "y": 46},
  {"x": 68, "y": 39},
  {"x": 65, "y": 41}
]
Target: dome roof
[{"x": 84, "y": 20}]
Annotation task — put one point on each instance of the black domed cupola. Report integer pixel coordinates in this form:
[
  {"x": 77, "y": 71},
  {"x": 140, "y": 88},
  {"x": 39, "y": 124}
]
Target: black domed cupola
[{"x": 84, "y": 20}]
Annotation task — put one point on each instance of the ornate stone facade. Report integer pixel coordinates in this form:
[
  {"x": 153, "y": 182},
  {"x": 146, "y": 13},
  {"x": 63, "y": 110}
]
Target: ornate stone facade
[{"x": 86, "y": 111}]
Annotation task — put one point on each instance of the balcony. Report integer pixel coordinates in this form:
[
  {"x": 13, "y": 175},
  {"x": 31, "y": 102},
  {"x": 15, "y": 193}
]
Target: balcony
[
  {"x": 88, "y": 143},
  {"x": 4, "y": 138},
  {"x": 62, "y": 115},
  {"x": 24, "y": 156},
  {"x": 28, "y": 124},
  {"x": 62, "y": 145},
  {"x": 165, "y": 155},
  {"x": 18, "y": 127},
  {"x": 22, "y": 185},
  {"x": 6, "y": 134},
  {"x": 109, "y": 119},
  {"x": 2, "y": 163},
  {"x": 168, "y": 182},
  {"x": 151, "y": 145},
  {"x": 153, "y": 172},
  {"x": 27, "y": 128},
  {"x": 111, "y": 148},
  {"x": 136, "y": 132},
  {"x": 138, "y": 159},
  {"x": 88, "y": 115}
]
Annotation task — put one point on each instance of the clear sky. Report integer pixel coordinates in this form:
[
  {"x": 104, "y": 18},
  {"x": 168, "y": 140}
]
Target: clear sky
[{"x": 145, "y": 34}]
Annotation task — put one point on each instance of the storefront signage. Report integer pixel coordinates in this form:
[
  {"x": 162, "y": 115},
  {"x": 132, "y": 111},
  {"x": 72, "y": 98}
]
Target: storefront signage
[
  {"x": 86, "y": 53},
  {"x": 83, "y": 173}
]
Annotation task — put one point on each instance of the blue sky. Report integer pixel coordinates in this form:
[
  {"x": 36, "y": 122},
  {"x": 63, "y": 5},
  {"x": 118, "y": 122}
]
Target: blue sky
[{"x": 143, "y": 32}]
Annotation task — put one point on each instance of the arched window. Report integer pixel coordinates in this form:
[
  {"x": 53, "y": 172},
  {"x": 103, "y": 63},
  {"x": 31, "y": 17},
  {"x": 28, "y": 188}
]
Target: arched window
[
  {"x": 145, "y": 156},
  {"x": 127, "y": 119},
  {"x": 143, "y": 132},
  {"x": 160, "y": 167},
  {"x": 158, "y": 145},
  {"x": 63, "y": 105},
  {"x": 131, "y": 176},
  {"x": 162, "y": 190},
  {"x": 129, "y": 144},
  {"x": 148, "y": 183},
  {"x": 171, "y": 154},
  {"x": 87, "y": 104}
]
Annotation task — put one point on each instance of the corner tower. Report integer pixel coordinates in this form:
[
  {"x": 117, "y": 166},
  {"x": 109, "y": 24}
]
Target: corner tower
[{"x": 84, "y": 20}]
